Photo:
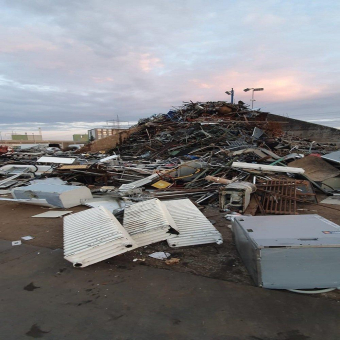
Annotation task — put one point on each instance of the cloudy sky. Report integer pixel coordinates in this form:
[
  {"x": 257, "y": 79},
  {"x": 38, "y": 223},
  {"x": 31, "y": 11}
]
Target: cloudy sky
[{"x": 73, "y": 64}]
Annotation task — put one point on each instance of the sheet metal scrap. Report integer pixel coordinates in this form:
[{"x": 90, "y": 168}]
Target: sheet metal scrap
[
  {"x": 149, "y": 222},
  {"x": 194, "y": 228},
  {"x": 172, "y": 155},
  {"x": 94, "y": 235},
  {"x": 316, "y": 168},
  {"x": 192, "y": 127},
  {"x": 333, "y": 157},
  {"x": 280, "y": 196}
]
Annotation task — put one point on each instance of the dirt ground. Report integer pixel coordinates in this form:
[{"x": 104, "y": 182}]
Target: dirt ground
[{"x": 213, "y": 261}]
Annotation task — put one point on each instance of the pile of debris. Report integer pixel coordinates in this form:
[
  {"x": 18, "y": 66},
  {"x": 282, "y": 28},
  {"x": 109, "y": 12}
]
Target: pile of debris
[{"x": 150, "y": 188}]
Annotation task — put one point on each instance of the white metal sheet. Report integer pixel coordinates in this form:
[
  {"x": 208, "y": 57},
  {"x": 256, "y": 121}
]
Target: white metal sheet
[
  {"x": 138, "y": 184},
  {"x": 149, "y": 222},
  {"x": 114, "y": 205},
  {"x": 194, "y": 228},
  {"x": 56, "y": 160},
  {"x": 94, "y": 235},
  {"x": 332, "y": 200},
  {"x": 53, "y": 214}
]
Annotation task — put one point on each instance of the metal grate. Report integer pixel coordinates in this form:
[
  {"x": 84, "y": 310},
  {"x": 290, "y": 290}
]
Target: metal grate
[
  {"x": 94, "y": 235},
  {"x": 194, "y": 228},
  {"x": 149, "y": 222},
  {"x": 280, "y": 196}
]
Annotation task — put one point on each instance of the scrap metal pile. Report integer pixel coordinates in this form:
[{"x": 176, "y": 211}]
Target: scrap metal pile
[{"x": 156, "y": 181}]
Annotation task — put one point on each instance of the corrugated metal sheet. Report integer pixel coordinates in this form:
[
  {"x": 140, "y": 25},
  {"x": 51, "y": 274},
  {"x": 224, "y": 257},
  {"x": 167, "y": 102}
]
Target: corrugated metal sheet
[
  {"x": 149, "y": 222},
  {"x": 194, "y": 228},
  {"x": 94, "y": 235},
  {"x": 137, "y": 184}
]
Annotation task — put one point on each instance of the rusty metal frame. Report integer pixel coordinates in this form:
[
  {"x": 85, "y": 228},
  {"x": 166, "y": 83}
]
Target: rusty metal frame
[{"x": 280, "y": 196}]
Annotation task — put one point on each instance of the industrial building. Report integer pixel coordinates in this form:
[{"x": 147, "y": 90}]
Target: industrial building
[
  {"x": 99, "y": 133},
  {"x": 81, "y": 138},
  {"x": 26, "y": 136}
]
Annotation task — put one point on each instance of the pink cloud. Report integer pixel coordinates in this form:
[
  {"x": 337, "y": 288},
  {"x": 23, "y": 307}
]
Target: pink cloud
[
  {"x": 13, "y": 41},
  {"x": 148, "y": 62},
  {"x": 100, "y": 80},
  {"x": 278, "y": 85}
]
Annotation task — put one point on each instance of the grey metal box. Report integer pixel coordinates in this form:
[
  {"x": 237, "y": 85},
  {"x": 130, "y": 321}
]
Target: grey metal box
[{"x": 289, "y": 252}]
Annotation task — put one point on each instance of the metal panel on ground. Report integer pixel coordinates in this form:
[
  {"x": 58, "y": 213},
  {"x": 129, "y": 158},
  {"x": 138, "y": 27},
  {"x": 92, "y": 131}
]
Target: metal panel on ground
[
  {"x": 149, "y": 222},
  {"x": 94, "y": 235},
  {"x": 331, "y": 200},
  {"x": 194, "y": 228},
  {"x": 53, "y": 214}
]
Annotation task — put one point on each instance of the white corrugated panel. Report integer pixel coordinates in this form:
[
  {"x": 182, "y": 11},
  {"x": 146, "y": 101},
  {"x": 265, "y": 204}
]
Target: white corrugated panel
[
  {"x": 137, "y": 184},
  {"x": 194, "y": 228},
  {"x": 94, "y": 235},
  {"x": 149, "y": 222}
]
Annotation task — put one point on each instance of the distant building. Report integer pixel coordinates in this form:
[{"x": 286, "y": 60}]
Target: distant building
[
  {"x": 26, "y": 136},
  {"x": 81, "y": 138},
  {"x": 95, "y": 134}
]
